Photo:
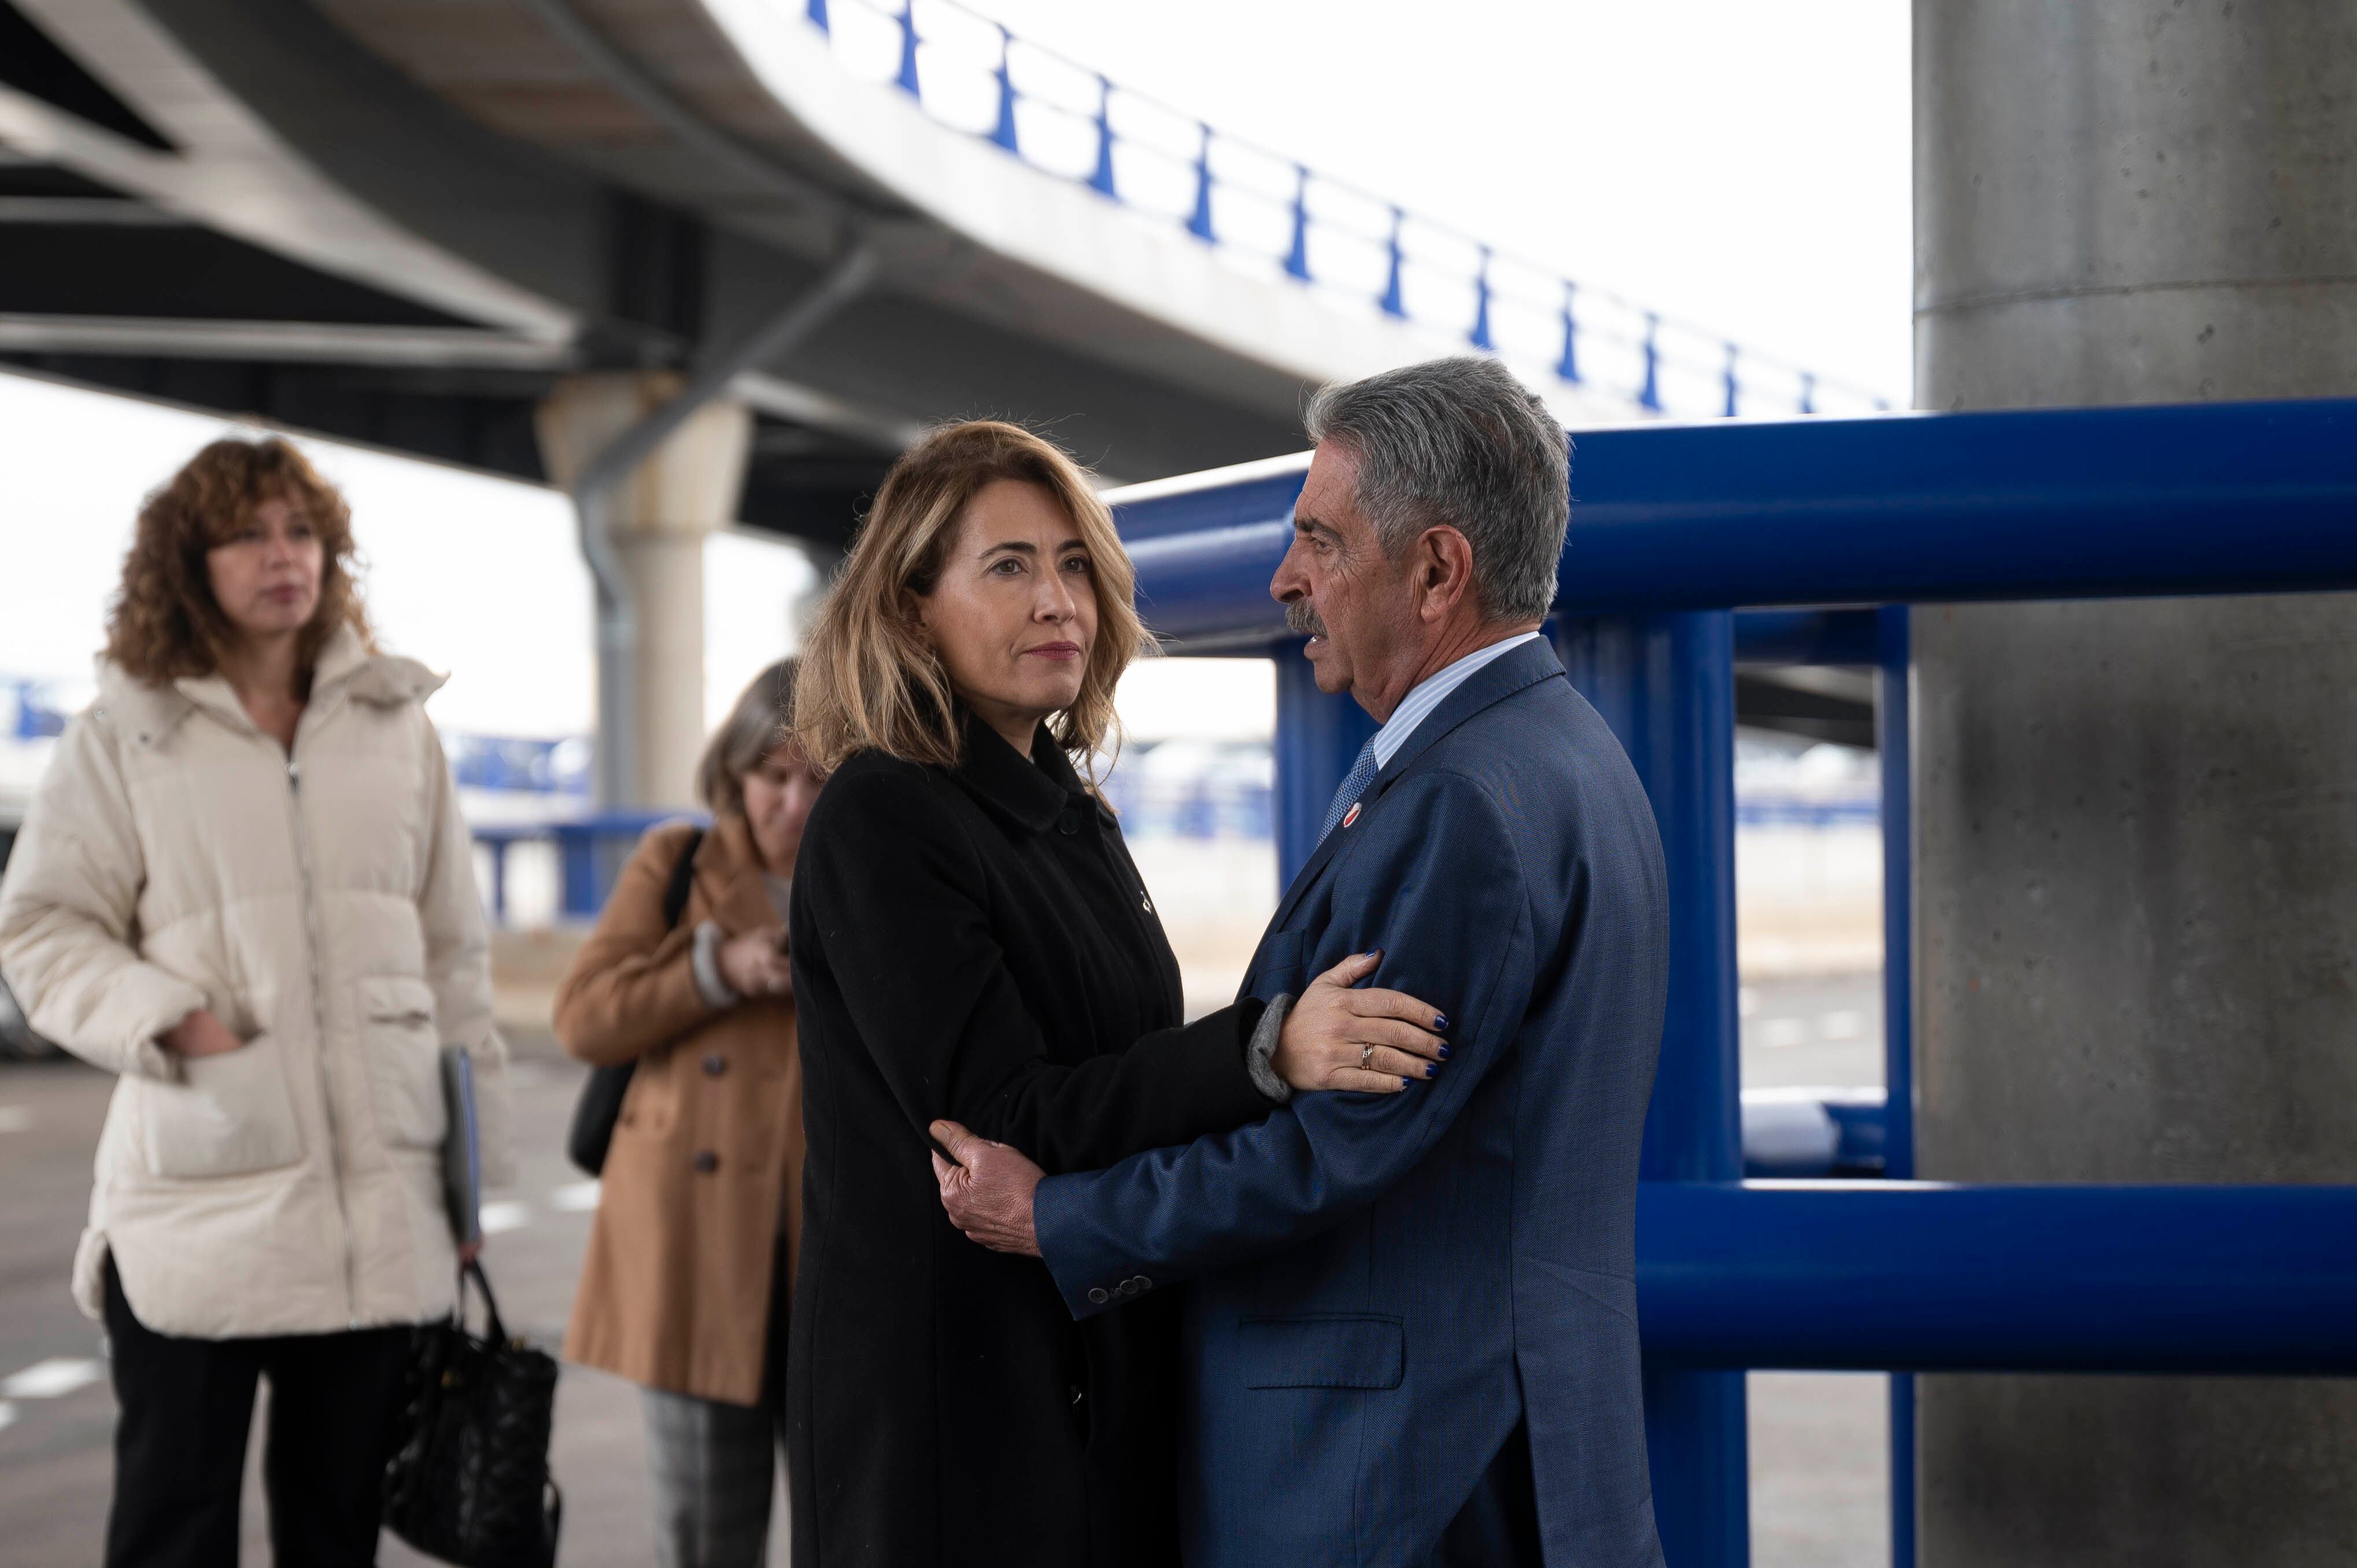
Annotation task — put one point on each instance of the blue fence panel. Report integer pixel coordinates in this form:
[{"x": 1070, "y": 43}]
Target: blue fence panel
[
  {"x": 1670, "y": 527},
  {"x": 951, "y": 59}
]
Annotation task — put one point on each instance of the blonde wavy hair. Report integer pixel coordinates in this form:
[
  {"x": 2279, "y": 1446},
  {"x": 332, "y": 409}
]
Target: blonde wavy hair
[
  {"x": 163, "y": 621},
  {"x": 870, "y": 676}
]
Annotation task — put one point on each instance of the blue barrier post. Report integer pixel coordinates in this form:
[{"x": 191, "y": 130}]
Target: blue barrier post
[
  {"x": 1895, "y": 743},
  {"x": 1728, "y": 374},
  {"x": 1297, "y": 260},
  {"x": 1102, "y": 181},
  {"x": 1650, "y": 395},
  {"x": 1318, "y": 738},
  {"x": 1808, "y": 392},
  {"x": 1479, "y": 337},
  {"x": 1003, "y": 132},
  {"x": 1568, "y": 369},
  {"x": 907, "y": 78},
  {"x": 1395, "y": 302},
  {"x": 1200, "y": 225},
  {"x": 1667, "y": 685}
]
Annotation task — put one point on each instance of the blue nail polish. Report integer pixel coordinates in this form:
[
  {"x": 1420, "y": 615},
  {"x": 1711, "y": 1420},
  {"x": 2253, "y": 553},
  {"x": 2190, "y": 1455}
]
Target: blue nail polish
[
  {"x": 1430, "y": 1069},
  {"x": 1407, "y": 1083},
  {"x": 1441, "y": 1020},
  {"x": 1444, "y": 1051}
]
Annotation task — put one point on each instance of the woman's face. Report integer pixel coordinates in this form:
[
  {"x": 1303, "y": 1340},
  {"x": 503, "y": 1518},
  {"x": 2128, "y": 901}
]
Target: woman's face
[
  {"x": 265, "y": 575},
  {"x": 779, "y": 794},
  {"x": 1014, "y": 615}
]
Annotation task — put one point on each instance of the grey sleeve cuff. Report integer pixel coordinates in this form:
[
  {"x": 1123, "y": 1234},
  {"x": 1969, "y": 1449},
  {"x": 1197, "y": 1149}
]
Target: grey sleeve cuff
[
  {"x": 1260, "y": 1051},
  {"x": 709, "y": 984}
]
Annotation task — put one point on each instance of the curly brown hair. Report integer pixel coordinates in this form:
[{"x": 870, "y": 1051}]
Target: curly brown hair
[{"x": 164, "y": 622}]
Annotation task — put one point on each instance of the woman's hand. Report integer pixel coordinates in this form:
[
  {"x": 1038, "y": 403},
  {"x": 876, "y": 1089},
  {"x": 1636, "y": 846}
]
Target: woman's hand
[
  {"x": 201, "y": 1035},
  {"x": 1375, "y": 1041},
  {"x": 755, "y": 964}
]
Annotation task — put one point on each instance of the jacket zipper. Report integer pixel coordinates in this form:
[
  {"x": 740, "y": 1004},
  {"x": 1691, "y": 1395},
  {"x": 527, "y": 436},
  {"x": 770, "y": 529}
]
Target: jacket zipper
[{"x": 319, "y": 1028}]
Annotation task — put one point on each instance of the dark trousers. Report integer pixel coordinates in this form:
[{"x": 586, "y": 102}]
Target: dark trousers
[{"x": 179, "y": 1445}]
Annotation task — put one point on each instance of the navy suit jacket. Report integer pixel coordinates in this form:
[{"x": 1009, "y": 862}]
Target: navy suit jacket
[{"x": 1385, "y": 1284}]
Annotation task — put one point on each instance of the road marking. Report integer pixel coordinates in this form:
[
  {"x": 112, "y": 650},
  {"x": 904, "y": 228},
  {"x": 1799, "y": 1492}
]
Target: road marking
[
  {"x": 578, "y": 1198},
  {"x": 1842, "y": 1025},
  {"x": 1779, "y": 1032},
  {"x": 502, "y": 1217},
  {"x": 49, "y": 1379},
  {"x": 16, "y": 1118}
]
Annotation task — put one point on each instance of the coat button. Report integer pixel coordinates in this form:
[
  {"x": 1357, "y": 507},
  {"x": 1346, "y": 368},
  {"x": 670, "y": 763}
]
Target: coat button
[
  {"x": 714, "y": 1064},
  {"x": 1098, "y": 1294},
  {"x": 706, "y": 1162},
  {"x": 1070, "y": 822},
  {"x": 1076, "y": 1394}
]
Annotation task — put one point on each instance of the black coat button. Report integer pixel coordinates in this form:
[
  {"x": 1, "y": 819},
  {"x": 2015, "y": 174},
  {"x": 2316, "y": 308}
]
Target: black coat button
[
  {"x": 1098, "y": 1294},
  {"x": 1077, "y": 1395},
  {"x": 1070, "y": 822},
  {"x": 706, "y": 1162},
  {"x": 714, "y": 1064}
]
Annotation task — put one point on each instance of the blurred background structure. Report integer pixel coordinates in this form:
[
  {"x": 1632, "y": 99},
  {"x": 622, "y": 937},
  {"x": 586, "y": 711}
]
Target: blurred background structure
[{"x": 609, "y": 313}]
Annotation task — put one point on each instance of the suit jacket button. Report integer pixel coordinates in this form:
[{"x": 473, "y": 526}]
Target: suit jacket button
[
  {"x": 706, "y": 1162},
  {"x": 1098, "y": 1294},
  {"x": 714, "y": 1064},
  {"x": 1145, "y": 1284}
]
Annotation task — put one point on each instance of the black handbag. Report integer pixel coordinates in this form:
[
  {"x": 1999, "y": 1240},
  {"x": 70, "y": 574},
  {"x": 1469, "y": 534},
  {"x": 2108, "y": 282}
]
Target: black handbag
[
  {"x": 470, "y": 1483},
  {"x": 600, "y": 1105}
]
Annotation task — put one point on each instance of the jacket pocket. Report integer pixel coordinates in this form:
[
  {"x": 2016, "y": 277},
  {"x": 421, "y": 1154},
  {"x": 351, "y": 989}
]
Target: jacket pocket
[
  {"x": 405, "y": 1060},
  {"x": 231, "y": 1115},
  {"x": 1323, "y": 1352}
]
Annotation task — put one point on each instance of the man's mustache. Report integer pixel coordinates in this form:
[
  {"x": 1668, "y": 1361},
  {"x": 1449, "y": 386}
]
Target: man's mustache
[{"x": 1301, "y": 616}]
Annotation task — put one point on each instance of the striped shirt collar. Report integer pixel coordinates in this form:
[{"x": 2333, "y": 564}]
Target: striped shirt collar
[{"x": 1432, "y": 692}]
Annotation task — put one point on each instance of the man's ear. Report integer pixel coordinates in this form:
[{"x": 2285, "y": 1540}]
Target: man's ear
[{"x": 1443, "y": 572}]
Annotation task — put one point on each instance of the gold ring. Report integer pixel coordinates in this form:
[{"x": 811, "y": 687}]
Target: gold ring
[{"x": 1366, "y": 1055}]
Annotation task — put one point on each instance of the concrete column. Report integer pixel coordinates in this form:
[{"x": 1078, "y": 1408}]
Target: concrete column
[
  {"x": 2137, "y": 849},
  {"x": 661, "y": 516}
]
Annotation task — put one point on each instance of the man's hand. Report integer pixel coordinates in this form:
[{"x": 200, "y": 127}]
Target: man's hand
[{"x": 988, "y": 1192}]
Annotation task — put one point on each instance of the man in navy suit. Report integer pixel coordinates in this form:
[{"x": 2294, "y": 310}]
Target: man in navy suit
[{"x": 1411, "y": 1335}]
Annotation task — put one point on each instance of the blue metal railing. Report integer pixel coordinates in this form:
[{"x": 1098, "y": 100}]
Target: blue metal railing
[
  {"x": 1671, "y": 528},
  {"x": 1360, "y": 250}
]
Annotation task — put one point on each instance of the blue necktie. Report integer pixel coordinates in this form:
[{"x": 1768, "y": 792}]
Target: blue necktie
[{"x": 1362, "y": 773}]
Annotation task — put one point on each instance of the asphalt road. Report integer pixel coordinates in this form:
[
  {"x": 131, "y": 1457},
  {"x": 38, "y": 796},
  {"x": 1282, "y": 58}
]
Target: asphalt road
[{"x": 1818, "y": 1465}]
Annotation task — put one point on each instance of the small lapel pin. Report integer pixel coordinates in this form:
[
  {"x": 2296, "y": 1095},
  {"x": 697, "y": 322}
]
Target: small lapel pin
[{"x": 1351, "y": 815}]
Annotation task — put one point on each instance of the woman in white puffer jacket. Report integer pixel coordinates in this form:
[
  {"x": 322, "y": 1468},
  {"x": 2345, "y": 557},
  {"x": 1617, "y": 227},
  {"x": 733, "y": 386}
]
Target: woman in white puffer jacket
[{"x": 244, "y": 887}]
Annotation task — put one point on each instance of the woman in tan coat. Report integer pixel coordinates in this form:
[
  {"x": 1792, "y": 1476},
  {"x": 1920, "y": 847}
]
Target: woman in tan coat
[
  {"x": 245, "y": 888},
  {"x": 685, "y": 1288}
]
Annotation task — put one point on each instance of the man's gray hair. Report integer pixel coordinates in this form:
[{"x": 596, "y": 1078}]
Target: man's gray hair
[{"x": 1459, "y": 442}]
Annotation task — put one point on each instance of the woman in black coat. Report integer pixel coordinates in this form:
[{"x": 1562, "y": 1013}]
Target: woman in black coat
[{"x": 972, "y": 941}]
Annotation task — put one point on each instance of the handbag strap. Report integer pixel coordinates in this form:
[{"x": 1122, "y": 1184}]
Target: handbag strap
[
  {"x": 498, "y": 1333},
  {"x": 683, "y": 879}
]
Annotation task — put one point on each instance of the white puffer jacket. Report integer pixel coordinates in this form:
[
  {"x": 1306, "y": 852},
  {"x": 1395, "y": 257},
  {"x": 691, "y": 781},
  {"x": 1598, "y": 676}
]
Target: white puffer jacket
[{"x": 324, "y": 908}]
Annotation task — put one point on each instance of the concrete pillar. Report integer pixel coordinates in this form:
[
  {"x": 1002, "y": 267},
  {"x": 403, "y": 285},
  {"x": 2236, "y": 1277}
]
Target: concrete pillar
[
  {"x": 2137, "y": 849},
  {"x": 661, "y": 516}
]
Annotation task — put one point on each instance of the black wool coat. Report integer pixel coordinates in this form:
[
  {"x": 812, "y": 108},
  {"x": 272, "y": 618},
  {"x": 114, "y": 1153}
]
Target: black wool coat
[{"x": 975, "y": 943}]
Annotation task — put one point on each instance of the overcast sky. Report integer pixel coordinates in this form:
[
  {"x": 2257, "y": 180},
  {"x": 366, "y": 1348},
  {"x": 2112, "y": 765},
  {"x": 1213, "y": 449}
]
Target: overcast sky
[{"x": 1744, "y": 166}]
